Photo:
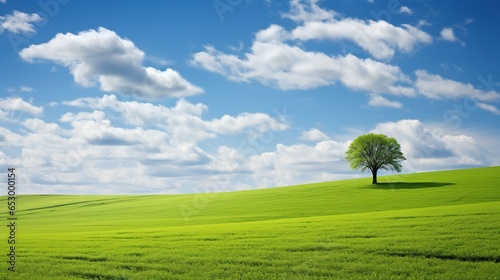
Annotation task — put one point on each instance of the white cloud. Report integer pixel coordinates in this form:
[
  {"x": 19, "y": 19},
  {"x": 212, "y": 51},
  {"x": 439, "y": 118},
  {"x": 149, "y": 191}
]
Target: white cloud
[
  {"x": 299, "y": 163},
  {"x": 19, "y": 22},
  {"x": 427, "y": 149},
  {"x": 95, "y": 132},
  {"x": 278, "y": 58},
  {"x": 102, "y": 57},
  {"x": 287, "y": 67},
  {"x": 102, "y": 151},
  {"x": 466, "y": 150},
  {"x": 308, "y": 11},
  {"x": 405, "y": 10},
  {"x": 184, "y": 121},
  {"x": 39, "y": 126},
  {"x": 489, "y": 108},
  {"x": 380, "y": 38},
  {"x": 26, "y": 89},
  {"x": 97, "y": 155},
  {"x": 422, "y": 22},
  {"x": 175, "y": 153},
  {"x": 245, "y": 121},
  {"x": 436, "y": 87},
  {"x": 18, "y": 104},
  {"x": 313, "y": 134},
  {"x": 228, "y": 159},
  {"x": 447, "y": 34},
  {"x": 380, "y": 101},
  {"x": 416, "y": 140}
]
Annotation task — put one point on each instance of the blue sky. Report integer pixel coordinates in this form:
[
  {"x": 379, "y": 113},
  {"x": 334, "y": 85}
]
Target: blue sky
[{"x": 195, "y": 96}]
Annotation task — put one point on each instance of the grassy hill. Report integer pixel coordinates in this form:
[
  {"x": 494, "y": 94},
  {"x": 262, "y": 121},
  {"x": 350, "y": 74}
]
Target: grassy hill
[{"x": 426, "y": 225}]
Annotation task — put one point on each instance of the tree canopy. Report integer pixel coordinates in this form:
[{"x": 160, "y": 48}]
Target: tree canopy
[{"x": 374, "y": 152}]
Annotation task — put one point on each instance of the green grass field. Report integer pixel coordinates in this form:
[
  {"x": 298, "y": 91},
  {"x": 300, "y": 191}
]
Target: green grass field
[{"x": 437, "y": 225}]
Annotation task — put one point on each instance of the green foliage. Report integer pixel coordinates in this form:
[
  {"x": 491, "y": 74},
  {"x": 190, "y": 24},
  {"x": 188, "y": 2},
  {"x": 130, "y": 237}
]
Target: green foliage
[
  {"x": 374, "y": 152},
  {"x": 438, "y": 225}
]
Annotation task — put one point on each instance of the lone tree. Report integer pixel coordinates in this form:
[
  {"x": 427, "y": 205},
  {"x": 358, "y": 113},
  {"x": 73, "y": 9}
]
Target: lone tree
[{"x": 374, "y": 152}]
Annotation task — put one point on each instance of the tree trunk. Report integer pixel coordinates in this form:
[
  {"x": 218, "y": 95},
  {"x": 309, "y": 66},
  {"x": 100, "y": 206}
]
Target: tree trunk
[{"x": 374, "y": 176}]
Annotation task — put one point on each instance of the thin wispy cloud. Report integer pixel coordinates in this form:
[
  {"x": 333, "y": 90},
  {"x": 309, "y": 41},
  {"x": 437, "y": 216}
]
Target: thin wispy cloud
[
  {"x": 380, "y": 101},
  {"x": 25, "y": 88},
  {"x": 489, "y": 108}
]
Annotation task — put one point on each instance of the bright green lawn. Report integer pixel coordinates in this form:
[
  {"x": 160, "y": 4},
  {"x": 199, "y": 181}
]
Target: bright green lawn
[{"x": 439, "y": 225}]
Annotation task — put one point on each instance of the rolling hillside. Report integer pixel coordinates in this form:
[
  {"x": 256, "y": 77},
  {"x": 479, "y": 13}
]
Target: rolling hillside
[
  {"x": 329, "y": 198},
  {"x": 426, "y": 225}
]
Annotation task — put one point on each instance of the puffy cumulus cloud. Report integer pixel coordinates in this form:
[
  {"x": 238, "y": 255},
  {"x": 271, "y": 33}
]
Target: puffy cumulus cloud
[
  {"x": 94, "y": 152},
  {"x": 313, "y": 134},
  {"x": 379, "y": 38},
  {"x": 101, "y": 150},
  {"x": 97, "y": 130},
  {"x": 428, "y": 149},
  {"x": 279, "y": 59},
  {"x": 257, "y": 122},
  {"x": 93, "y": 157},
  {"x": 10, "y": 105},
  {"x": 274, "y": 33},
  {"x": 447, "y": 34},
  {"x": 97, "y": 149},
  {"x": 436, "y": 87},
  {"x": 18, "y": 104},
  {"x": 416, "y": 140},
  {"x": 466, "y": 149},
  {"x": 38, "y": 147},
  {"x": 39, "y": 126},
  {"x": 19, "y": 22},
  {"x": 184, "y": 122},
  {"x": 287, "y": 67},
  {"x": 135, "y": 113},
  {"x": 102, "y": 57},
  {"x": 90, "y": 152},
  {"x": 299, "y": 163},
  {"x": 229, "y": 160}
]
